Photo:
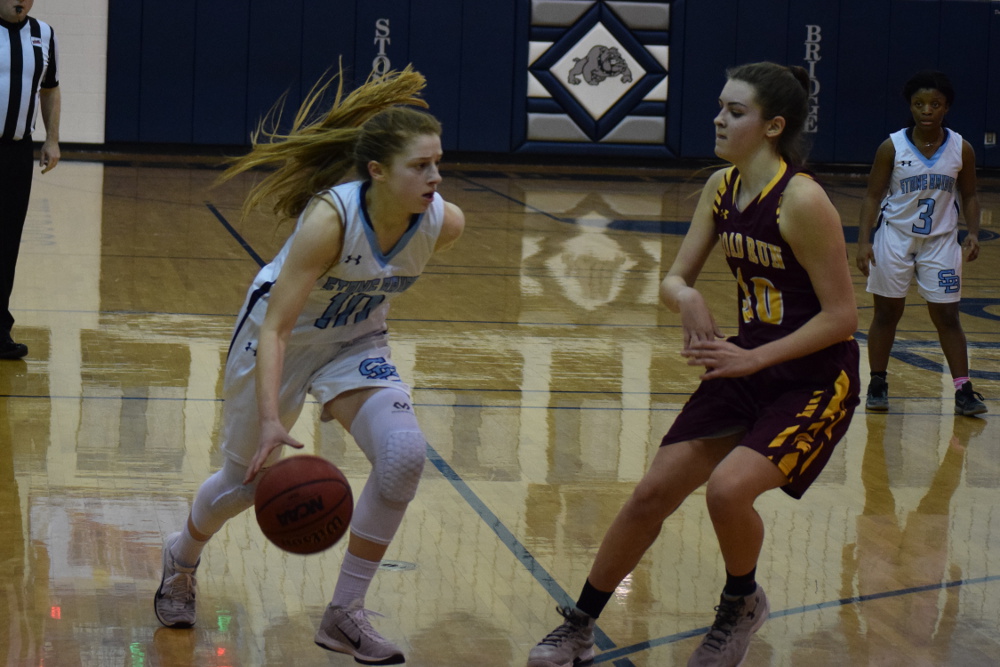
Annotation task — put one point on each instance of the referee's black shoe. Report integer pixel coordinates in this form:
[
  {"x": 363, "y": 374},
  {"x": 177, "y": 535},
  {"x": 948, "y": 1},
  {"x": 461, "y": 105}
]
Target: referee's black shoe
[{"x": 11, "y": 350}]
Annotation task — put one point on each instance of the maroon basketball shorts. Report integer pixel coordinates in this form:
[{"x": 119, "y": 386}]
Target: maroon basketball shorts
[{"x": 793, "y": 413}]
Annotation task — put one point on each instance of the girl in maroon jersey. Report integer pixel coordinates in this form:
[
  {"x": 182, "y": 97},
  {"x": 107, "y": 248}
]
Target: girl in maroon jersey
[{"x": 774, "y": 399}]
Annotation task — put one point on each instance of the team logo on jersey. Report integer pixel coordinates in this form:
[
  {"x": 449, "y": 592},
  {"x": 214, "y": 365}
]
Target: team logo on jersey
[
  {"x": 906, "y": 163},
  {"x": 36, "y": 41},
  {"x": 377, "y": 368},
  {"x": 351, "y": 258}
]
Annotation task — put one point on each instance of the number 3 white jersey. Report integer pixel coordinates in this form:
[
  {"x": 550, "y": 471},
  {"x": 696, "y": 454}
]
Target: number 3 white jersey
[
  {"x": 352, "y": 298},
  {"x": 922, "y": 197}
]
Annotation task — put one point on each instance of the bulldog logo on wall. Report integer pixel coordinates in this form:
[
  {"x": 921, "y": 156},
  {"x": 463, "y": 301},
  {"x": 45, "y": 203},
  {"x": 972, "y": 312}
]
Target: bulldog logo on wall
[{"x": 601, "y": 63}]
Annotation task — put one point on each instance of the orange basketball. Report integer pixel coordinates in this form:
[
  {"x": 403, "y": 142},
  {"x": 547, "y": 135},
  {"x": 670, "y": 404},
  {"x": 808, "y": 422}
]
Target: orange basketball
[{"x": 304, "y": 504}]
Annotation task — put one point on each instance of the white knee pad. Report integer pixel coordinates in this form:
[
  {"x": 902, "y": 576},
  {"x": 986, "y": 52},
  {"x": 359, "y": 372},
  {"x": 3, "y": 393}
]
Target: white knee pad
[
  {"x": 221, "y": 497},
  {"x": 387, "y": 431}
]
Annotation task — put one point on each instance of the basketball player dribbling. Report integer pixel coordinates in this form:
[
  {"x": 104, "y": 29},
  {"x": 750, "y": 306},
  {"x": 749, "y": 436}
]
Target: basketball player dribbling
[
  {"x": 919, "y": 176},
  {"x": 775, "y": 399},
  {"x": 314, "y": 322}
]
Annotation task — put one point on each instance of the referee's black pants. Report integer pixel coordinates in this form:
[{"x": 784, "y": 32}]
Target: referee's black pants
[{"x": 16, "y": 170}]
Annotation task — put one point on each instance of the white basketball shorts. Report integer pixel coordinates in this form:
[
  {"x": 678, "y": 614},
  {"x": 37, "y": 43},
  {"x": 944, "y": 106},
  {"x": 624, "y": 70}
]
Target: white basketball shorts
[
  {"x": 935, "y": 262},
  {"x": 325, "y": 371}
]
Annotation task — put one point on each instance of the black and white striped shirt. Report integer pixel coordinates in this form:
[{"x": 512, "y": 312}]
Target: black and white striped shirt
[{"x": 28, "y": 55}]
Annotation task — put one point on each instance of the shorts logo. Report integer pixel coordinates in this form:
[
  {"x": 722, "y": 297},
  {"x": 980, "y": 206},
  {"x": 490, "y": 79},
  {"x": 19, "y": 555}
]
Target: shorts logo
[
  {"x": 804, "y": 442},
  {"x": 949, "y": 281},
  {"x": 378, "y": 368},
  {"x": 401, "y": 406}
]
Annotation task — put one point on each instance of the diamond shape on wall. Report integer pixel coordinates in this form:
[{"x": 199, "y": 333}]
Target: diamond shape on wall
[
  {"x": 598, "y": 78},
  {"x": 609, "y": 84}
]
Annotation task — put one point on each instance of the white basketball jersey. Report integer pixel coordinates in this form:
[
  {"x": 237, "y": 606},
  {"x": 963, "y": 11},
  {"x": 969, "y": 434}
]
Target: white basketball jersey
[
  {"x": 922, "y": 197},
  {"x": 352, "y": 298}
]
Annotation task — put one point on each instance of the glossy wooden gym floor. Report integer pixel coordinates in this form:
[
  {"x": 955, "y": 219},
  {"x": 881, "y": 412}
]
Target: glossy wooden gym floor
[{"x": 545, "y": 374}]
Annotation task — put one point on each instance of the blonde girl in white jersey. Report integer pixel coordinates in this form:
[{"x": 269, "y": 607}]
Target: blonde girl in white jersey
[
  {"x": 314, "y": 323},
  {"x": 923, "y": 175}
]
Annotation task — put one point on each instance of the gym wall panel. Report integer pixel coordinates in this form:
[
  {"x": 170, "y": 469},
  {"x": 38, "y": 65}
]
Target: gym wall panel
[
  {"x": 709, "y": 48},
  {"x": 486, "y": 71},
  {"x": 274, "y": 60},
  {"x": 967, "y": 24},
  {"x": 167, "y": 71},
  {"x": 205, "y": 71},
  {"x": 124, "y": 71},
  {"x": 328, "y": 39},
  {"x": 862, "y": 65},
  {"x": 991, "y": 77},
  {"x": 220, "y": 75},
  {"x": 676, "y": 78},
  {"x": 435, "y": 35},
  {"x": 912, "y": 47},
  {"x": 763, "y": 31}
]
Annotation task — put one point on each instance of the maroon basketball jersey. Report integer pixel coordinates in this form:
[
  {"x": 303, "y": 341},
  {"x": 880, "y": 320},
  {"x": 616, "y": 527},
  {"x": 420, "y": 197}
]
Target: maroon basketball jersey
[{"x": 775, "y": 293}]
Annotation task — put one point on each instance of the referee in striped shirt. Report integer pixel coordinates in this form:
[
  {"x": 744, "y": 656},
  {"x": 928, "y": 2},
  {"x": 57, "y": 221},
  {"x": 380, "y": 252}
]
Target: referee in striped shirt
[{"x": 29, "y": 81}]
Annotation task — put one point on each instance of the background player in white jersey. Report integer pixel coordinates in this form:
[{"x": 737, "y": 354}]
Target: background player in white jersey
[
  {"x": 314, "y": 322},
  {"x": 920, "y": 176}
]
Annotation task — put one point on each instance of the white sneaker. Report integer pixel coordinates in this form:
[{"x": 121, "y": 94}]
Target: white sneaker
[
  {"x": 174, "y": 600},
  {"x": 347, "y": 630}
]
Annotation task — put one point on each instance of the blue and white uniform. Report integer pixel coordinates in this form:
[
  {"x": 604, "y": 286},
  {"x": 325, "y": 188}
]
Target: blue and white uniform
[
  {"x": 916, "y": 233},
  {"x": 340, "y": 340}
]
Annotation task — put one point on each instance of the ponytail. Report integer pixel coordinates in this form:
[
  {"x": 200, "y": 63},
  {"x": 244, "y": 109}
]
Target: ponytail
[{"x": 318, "y": 152}]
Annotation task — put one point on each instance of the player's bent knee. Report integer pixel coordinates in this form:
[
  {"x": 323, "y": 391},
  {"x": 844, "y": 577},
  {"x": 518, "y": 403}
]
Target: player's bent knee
[
  {"x": 400, "y": 466},
  {"x": 722, "y": 497}
]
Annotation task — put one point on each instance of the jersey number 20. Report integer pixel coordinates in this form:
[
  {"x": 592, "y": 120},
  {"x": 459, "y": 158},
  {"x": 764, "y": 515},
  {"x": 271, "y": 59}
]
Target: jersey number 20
[{"x": 762, "y": 298}]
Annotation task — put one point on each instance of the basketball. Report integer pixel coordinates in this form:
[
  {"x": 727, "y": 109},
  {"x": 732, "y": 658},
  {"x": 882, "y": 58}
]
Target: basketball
[{"x": 304, "y": 504}]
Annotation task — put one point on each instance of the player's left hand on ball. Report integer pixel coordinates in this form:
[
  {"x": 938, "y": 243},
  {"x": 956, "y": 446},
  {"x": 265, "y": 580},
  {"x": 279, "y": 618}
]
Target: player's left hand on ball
[{"x": 272, "y": 436}]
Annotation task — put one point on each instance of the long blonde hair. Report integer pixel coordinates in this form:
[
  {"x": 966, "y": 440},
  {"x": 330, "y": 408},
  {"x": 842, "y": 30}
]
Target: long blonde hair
[{"x": 370, "y": 123}]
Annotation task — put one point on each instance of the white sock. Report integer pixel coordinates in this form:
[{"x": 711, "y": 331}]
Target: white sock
[
  {"x": 186, "y": 549},
  {"x": 356, "y": 576}
]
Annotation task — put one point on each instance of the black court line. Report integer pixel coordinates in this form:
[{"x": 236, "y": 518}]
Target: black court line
[
  {"x": 608, "y": 656},
  {"x": 236, "y": 235},
  {"x": 610, "y": 651}
]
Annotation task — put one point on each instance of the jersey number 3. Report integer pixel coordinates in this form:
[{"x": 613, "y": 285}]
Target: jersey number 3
[{"x": 925, "y": 216}]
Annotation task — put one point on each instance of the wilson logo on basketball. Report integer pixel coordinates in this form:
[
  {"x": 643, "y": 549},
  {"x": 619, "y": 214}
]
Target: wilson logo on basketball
[{"x": 301, "y": 511}]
